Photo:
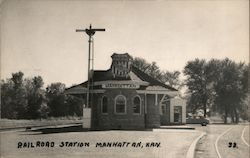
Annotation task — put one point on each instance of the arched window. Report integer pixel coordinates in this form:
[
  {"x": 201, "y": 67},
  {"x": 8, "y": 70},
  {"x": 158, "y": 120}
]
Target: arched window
[
  {"x": 104, "y": 105},
  {"x": 120, "y": 104},
  {"x": 137, "y": 105}
]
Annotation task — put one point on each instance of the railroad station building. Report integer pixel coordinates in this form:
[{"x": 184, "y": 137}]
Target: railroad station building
[{"x": 124, "y": 97}]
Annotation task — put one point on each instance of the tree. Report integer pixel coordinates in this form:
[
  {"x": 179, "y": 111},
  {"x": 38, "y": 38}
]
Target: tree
[
  {"x": 61, "y": 104},
  {"x": 141, "y": 64},
  {"x": 7, "y": 108},
  {"x": 172, "y": 79},
  {"x": 18, "y": 96},
  {"x": 150, "y": 69},
  {"x": 36, "y": 106},
  {"x": 22, "y": 98},
  {"x": 231, "y": 89},
  {"x": 198, "y": 82},
  {"x": 56, "y": 99},
  {"x": 75, "y": 105},
  {"x": 245, "y": 113},
  {"x": 220, "y": 85},
  {"x": 153, "y": 70},
  {"x": 25, "y": 98}
]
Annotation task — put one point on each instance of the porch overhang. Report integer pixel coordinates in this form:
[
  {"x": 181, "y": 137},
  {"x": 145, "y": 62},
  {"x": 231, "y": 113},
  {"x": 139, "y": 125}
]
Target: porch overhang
[{"x": 169, "y": 93}]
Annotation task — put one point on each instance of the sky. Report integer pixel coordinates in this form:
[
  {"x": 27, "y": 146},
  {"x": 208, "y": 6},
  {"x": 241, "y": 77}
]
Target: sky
[{"x": 38, "y": 36}]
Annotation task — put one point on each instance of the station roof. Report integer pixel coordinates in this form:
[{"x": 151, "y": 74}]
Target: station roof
[{"x": 135, "y": 75}]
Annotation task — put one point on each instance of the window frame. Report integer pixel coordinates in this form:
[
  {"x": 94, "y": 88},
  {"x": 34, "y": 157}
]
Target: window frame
[
  {"x": 102, "y": 105},
  {"x": 179, "y": 109},
  {"x": 125, "y": 106},
  {"x": 140, "y": 112}
]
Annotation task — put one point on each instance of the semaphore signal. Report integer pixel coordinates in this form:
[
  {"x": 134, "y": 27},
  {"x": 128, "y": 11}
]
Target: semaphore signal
[{"x": 90, "y": 32}]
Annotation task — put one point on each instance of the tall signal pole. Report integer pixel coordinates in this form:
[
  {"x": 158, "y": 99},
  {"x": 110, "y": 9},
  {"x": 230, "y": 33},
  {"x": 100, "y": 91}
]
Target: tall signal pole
[{"x": 90, "y": 32}]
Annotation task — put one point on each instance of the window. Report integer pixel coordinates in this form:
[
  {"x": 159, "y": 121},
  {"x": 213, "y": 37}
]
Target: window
[
  {"x": 137, "y": 105},
  {"x": 177, "y": 114},
  {"x": 165, "y": 107},
  {"x": 104, "y": 105},
  {"x": 120, "y": 104}
]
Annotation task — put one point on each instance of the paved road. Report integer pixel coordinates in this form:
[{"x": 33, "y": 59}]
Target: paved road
[
  {"x": 173, "y": 144},
  {"x": 221, "y": 136}
]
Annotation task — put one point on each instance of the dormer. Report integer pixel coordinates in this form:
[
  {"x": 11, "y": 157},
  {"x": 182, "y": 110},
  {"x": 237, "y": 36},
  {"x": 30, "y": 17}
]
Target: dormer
[{"x": 121, "y": 64}]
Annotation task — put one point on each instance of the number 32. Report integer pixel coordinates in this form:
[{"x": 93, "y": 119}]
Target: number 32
[{"x": 234, "y": 145}]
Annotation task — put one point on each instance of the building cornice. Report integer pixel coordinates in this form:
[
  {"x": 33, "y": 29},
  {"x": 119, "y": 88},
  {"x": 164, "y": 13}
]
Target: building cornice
[{"x": 141, "y": 83}]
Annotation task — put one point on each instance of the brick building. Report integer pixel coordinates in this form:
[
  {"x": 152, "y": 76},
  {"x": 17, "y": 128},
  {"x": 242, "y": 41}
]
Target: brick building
[{"x": 124, "y": 97}]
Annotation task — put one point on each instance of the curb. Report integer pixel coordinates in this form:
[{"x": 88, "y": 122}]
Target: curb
[
  {"x": 217, "y": 140},
  {"x": 184, "y": 128},
  {"x": 242, "y": 136},
  {"x": 55, "y": 126},
  {"x": 191, "y": 150}
]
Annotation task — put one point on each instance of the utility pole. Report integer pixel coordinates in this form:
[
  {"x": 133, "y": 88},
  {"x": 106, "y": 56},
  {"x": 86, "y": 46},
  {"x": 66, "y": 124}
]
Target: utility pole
[{"x": 90, "y": 32}]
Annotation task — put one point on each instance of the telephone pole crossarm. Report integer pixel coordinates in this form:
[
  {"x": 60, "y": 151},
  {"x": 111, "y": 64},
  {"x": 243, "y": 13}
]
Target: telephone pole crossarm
[{"x": 90, "y": 31}]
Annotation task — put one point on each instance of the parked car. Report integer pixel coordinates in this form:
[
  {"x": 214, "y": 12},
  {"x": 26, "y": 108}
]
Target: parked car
[{"x": 200, "y": 120}]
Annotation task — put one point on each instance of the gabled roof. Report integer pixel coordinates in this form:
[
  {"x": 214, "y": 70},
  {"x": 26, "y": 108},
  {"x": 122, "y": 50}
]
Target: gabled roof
[
  {"x": 152, "y": 81},
  {"x": 106, "y": 75}
]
